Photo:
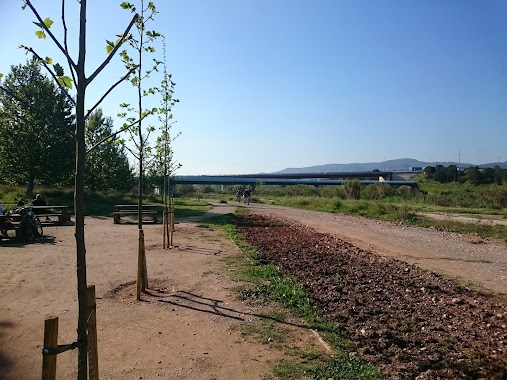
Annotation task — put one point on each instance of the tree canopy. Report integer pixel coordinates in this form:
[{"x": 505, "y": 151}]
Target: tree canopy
[
  {"x": 107, "y": 165},
  {"x": 36, "y": 129}
]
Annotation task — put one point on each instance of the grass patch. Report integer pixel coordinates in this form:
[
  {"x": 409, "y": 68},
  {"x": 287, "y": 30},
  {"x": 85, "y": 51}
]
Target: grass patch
[
  {"x": 268, "y": 330},
  {"x": 262, "y": 283}
]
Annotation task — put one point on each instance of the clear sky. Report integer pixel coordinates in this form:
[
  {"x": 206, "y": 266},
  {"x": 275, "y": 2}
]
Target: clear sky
[{"x": 270, "y": 84}]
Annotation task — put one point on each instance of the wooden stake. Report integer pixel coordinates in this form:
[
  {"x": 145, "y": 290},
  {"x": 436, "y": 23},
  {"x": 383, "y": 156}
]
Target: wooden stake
[
  {"x": 171, "y": 228},
  {"x": 50, "y": 341},
  {"x": 145, "y": 268},
  {"x": 93, "y": 355},
  {"x": 169, "y": 243},
  {"x": 164, "y": 222},
  {"x": 140, "y": 265}
]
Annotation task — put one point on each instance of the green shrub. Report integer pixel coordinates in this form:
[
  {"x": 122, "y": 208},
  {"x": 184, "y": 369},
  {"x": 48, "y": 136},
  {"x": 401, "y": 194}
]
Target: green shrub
[
  {"x": 353, "y": 189},
  {"x": 405, "y": 191},
  {"x": 376, "y": 191},
  {"x": 333, "y": 192},
  {"x": 337, "y": 205}
]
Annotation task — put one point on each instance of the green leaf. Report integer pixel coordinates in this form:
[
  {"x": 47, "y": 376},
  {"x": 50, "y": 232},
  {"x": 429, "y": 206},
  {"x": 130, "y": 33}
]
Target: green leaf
[
  {"x": 109, "y": 49},
  {"x": 1, "y": 75},
  {"x": 127, "y": 5},
  {"x": 40, "y": 34},
  {"x": 48, "y": 22},
  {"x": 39, "y": 24},
  {"x": 58, "y": 70},
  {"x": 49, "y": 60},
  {"x": 65, "y": 81}
]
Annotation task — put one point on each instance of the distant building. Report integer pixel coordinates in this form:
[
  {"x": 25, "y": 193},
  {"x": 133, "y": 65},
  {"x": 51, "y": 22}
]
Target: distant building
[{"x": 415, "y": 168}]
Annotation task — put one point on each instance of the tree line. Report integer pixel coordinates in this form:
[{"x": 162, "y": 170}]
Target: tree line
[
  {"x": 473, "y": 174},
  {"x": 37, "y": 145}
]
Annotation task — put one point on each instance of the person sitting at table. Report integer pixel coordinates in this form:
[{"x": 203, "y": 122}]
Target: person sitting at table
[{"x": 38, "y": 201}]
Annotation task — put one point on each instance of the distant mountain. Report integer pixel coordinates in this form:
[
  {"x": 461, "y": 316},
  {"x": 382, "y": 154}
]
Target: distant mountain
[{"x": 401, "y": 164}]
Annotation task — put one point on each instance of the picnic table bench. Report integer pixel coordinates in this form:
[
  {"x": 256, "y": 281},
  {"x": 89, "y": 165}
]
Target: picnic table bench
[
  {"x": 147, "y": 210},
  {"x": 62, "y": 212}
]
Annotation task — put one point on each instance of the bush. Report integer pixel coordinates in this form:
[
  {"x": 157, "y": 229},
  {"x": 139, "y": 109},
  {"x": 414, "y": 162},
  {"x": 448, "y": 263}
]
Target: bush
[
  {"x": 405, "y": 191},
  {"x": 496, "y": 196},
  {"x": 333, "y": 192},
  {"x": 337, "y": 205},
  {"x": 353, "y": 189},
  {"x": 376, "y": 191}
]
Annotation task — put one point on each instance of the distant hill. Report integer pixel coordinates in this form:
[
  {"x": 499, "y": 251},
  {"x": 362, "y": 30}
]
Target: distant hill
[{"x": 401, "y": 164}]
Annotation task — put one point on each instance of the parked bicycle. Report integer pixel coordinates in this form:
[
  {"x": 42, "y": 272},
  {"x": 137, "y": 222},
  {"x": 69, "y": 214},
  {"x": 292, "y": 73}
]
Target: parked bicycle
[{"x": 30, "y": 227}]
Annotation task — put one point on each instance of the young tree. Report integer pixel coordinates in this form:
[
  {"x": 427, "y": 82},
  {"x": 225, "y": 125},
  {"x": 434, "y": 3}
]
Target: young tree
[
  {"x": 107, "y": 166},
  {"x": 164, "y": 164},
  {"x": 139, "y": 134},
  {"x": 80, "y": 81},
  {"x": 36, "y": 129}
]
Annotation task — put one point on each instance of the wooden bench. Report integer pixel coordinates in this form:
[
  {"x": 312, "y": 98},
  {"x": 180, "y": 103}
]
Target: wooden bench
[
  {"x": 51, "y": 211},
  {"x": 147, "y": 210}
]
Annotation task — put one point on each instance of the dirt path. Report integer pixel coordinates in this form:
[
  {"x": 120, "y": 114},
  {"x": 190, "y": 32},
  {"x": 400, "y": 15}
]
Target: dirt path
[
  {"x": 472, "y": 259},
  {"x": 188, "y": 326},
  {"x": 467, "y": 218}
]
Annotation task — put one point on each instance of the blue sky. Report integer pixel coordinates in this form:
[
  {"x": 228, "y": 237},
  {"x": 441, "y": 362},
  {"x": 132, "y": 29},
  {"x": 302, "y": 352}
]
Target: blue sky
[{"x": 270, "y": 84}]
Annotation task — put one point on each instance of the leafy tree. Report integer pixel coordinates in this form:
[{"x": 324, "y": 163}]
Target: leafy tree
[
  {"x": 500, "y": 175},
  {"x": 474, "y": 175},
  {"x": 36, "y": 124},
  {"x": 139, "y": 134},
  {"x": 107, "y": 166},
  {"x": 80, "y": 81},
  {"x": 164, "y": 164},
  {"x": 429, "y": 170}
]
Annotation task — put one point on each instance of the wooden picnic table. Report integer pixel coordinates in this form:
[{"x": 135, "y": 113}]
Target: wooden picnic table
[
  {"x": 62, "y": 212},
  {"x": 147, "y": 210}
]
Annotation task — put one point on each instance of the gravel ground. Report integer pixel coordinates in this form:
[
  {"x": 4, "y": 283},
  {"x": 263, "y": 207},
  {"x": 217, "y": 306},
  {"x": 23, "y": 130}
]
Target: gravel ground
[
  {"x": 475, "y": 261},
  {"x": 412, "y": 323}
]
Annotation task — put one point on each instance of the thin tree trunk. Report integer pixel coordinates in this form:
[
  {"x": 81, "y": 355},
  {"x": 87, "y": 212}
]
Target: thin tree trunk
[
  {"x": 29, "y": 185},
  {"x": 79, "y": 203},
  {"x": 140, "y": 132}
]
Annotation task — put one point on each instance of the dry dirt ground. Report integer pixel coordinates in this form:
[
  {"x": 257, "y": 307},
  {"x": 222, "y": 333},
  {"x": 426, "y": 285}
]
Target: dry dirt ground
[{"x": 188, "y": 326}]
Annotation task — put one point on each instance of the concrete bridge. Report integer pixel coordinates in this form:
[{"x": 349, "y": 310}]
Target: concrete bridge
[{"x": 315, "y": 179}]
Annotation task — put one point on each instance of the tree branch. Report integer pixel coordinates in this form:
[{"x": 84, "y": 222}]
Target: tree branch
[
  {"x": 57, "y": 43},
  {"x": 113, "y": 52},
  {"x": 65, "y": 42},
  {"x": 132, "y": 152},
  {"x": 109, "y": 91},
  {"x": 113, "y": 135},
  {"x": 52, "y": 74}
]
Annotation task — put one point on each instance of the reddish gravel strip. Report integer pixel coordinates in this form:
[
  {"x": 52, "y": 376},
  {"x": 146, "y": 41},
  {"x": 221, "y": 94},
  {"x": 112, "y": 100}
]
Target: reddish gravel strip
[{"x": 411, "y": 323}]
